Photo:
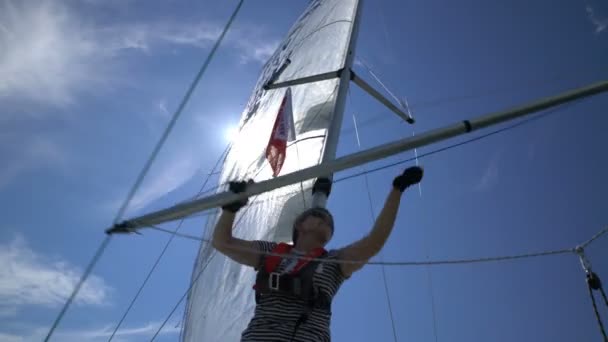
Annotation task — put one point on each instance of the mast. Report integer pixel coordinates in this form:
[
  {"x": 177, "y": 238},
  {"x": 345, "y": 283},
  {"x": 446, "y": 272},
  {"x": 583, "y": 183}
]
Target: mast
[{"x": 333, "y": 134}]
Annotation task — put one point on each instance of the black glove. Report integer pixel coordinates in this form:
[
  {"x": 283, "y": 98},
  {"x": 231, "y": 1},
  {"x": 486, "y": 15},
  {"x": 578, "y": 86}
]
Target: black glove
[
  {"x": 237, "y": 187},
  {"x": 410, "y": 176}
]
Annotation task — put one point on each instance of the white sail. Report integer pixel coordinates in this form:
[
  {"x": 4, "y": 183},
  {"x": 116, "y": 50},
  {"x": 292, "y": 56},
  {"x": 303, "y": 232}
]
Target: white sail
[{"x": 221, "y": 301}]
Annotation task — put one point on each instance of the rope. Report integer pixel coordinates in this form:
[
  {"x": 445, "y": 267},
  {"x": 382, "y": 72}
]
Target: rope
[
  {"x": 597, "y": 314},
  {"x": 391, "y": 263},
  {"x": 182, "y": 298},
  {"x": 143, "y": 173},
  {"x": 593, "y": 283},
  {"x": 195, "y": 278},
  {"x": 426, "y": 246},
  {"x": 449, "y": 147},
  {"x": 182, "y": 235},
  {"x": 164, "y": 250},
  {"x": 423, "y": 155},
  {"x": 208, "y": 241},
  {"x": 85, "y": 275},
  {"x": 371, "y": 72},
  {"x": 604, "y": 296},
  {"x": 371, "y": 210},
  {"x": 430, "y": 153},
  {"x": 594, "y": 237}
]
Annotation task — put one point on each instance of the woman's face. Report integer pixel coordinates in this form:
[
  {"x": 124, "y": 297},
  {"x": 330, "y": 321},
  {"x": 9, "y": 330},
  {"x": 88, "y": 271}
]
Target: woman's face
[{"x": 316, "y": 226}]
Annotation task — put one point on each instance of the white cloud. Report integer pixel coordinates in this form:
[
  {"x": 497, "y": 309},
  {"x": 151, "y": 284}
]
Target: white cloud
[
  {"x": 27, "y": 278},
  {"x": 47, "y": 54},
  {"x": 600, "y": 24},
  {"x": 256, "y": 50},
  {"x": 172, "y": 174},
  {"x": 51, "y": 55},
  {"x": 10, "y": 338},
  {"x": 143, "y": 332}
]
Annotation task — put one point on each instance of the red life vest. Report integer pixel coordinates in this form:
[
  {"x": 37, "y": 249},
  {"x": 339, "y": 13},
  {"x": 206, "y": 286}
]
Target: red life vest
[{"x": 297, "y": 282}]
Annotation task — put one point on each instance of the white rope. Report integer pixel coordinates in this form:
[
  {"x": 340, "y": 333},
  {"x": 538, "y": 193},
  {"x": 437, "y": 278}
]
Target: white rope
[
  {"x": 373, "y": 214},
  {"x": 371, "y": 72}
]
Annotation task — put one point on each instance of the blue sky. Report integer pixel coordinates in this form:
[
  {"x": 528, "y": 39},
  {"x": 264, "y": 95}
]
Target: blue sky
[{"x": 86, "y": 88}]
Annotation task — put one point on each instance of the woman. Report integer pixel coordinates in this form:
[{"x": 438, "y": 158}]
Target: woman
[{"x": 296, "y": 283}]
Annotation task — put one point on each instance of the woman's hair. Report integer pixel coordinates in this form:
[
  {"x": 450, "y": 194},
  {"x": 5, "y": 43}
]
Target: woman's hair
[{"x": 316, "y": 211}]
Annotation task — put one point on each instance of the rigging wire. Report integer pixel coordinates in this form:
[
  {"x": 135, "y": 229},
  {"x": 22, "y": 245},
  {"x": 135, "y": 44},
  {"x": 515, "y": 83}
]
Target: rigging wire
[
  {"x": 143, "y": 173},
  {"x": 425, "y": 241},
  {"x": 373, "y": 215},
  {"x": 399, "y": 263},
  {"x": 595, "y": 310},
  {"x": 84, "y": 276},
  {"x": 465, "y": 142},
  {"x": 197, "y": 275},
  {"x": 403, "y": 263},
  {"x": 522, "y": 122},
  {"x": 234, "y": 226},
  {"x": 426, "y": 250},
  {"x": 164, "y": 250},
  {"x": 374, "y": 120}
]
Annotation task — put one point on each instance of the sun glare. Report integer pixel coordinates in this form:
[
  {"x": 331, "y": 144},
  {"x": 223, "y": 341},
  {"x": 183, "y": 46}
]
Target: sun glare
[{"x": 231, "y": 132}]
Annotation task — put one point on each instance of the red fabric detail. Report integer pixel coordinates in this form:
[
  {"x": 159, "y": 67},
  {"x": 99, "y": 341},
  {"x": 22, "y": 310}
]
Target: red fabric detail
[
  {"x": 273, "y": 261},
  {"x": 276, "y": 150}
]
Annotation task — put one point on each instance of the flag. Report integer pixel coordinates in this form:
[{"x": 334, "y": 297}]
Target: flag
[{"x": 282, "y": 132}]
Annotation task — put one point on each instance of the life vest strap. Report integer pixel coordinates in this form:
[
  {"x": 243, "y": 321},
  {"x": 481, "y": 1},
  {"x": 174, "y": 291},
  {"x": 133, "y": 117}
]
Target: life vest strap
[{"x": 299, "y": 282}]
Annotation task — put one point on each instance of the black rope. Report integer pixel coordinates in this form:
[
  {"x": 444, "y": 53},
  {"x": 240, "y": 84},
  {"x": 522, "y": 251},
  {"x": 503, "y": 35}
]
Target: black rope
[
  {"x": 604, "y": 296},
  {"x": 597, "y": 314}
]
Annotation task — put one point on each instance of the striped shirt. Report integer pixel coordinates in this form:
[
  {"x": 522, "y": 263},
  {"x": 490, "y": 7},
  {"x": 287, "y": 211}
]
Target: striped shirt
[{"x": 276, "y": 314}]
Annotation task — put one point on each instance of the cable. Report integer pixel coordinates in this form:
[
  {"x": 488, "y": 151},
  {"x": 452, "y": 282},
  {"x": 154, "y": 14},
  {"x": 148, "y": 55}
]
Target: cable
[
  {"x": 143, "y": 173},
  {"x": 597, "y": 313},
  {"x": 195, "y": 278},
  {"x": 85, "y": 275},
  {"x": 527, "y": 120},
  {"x": 373, "y": 215},
  {"x": 174, "y": 233},
  {"x": 396, "y": 263},
  {"x": 162, "y": 253},
  {"x": 483, "y": 136},
  {"x": 594, "y": 237},
  {"x": 462, "y": 143},
  {"x": 590, "y": 287}
]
